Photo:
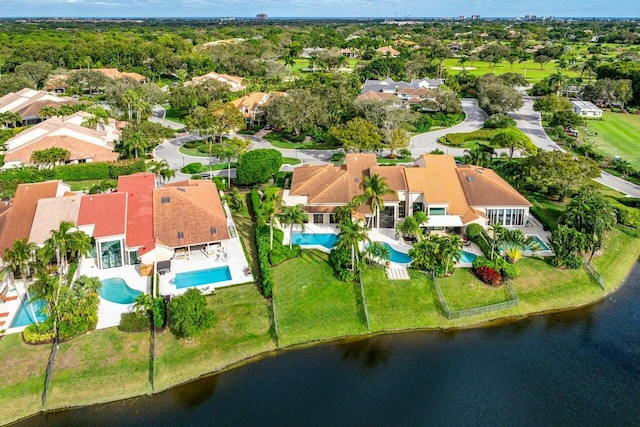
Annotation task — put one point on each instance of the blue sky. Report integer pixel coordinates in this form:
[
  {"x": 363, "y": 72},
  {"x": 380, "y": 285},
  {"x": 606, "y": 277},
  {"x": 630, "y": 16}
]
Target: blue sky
[{"x": 317, "y": 8}]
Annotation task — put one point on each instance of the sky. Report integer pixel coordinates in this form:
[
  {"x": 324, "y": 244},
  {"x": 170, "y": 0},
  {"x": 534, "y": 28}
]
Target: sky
[{"x": 317, "y": 8}]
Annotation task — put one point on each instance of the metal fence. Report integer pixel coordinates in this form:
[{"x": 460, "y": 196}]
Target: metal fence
[
  {"x": 595, "y": 275},
  {"x": 458, "y": 314}
]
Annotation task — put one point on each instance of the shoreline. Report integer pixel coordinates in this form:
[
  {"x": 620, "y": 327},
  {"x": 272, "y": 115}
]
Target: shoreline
[{"x": 266, "y": 354}]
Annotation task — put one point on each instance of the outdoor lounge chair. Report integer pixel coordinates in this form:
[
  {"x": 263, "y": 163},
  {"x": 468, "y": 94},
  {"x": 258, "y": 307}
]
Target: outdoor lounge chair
[
  {"x": 5, "y": 314},
  {"x": 4, "y": 296}
]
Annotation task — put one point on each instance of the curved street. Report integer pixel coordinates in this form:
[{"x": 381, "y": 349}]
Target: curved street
[{"x": 527, "y": 119}]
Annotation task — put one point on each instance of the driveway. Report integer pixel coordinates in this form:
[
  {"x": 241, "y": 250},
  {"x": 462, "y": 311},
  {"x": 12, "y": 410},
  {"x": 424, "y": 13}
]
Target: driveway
[{"x": 425, "y": 143}]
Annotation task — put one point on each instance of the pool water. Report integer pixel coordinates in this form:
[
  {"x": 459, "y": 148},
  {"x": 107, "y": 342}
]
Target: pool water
[
  {"x": 24, "y": 316},
  {"x": 468, "y": 257},
  {"x": 543, "y": 245},
  {"x": 115, "y": 289},
  {"x": 328, "y": 240},
  {"x": 202, "y": 277},
  {"x": 397, "y": 256}
]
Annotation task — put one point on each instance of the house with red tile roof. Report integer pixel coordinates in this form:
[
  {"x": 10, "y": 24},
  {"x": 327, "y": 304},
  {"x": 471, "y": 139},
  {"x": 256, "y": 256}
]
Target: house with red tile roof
[
  {"x": 453, "y": 196},
  {"x": 28, "y": 103},
  {"x": 16, "y": 218},
  {"x": 235, "y": 83},
  {"x": 139, "y": 188}
]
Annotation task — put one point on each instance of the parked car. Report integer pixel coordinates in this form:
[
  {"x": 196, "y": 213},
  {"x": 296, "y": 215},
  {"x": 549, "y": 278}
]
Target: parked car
[{"x": 268, "y": 127}]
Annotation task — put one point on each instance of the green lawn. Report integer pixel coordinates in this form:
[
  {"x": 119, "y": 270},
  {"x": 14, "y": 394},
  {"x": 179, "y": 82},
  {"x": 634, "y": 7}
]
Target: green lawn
[
  {"x": 174, "y": 115},
  {"x": 88, "y": 368},
  {"x": 617, "y": 135},
  {"x": 290, "y": 161},
  {"x": 463, "y": 290},
  {"x": 242, "y": 329},
  {"x": 621, "y": 252},
  {"x": 85, "y": 185},
  {"x": 191, "y": 152},
  {"x": 396, "y": 161},
  {"x": 400, "y": 304},
  {"x": 21, "y": 377},
  {"x": 533, "y": 72},
  {"x": 312, "y": 304},
  {"x": 215, "y": 167},
  {"x": 277, "y": 140}
]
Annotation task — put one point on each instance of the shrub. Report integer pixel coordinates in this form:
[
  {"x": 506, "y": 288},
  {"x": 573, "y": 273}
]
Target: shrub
[
  {"x": 193, "y": 144},
  {"x": 460, "y": 138},
  {"x": 158, "y": 313},
  {"x": 82, "y": 172},
  {"x": 192, "y": 168},
  {"x": 257, "y": 166},
  {"x": 499, "y": 121},
  {"x": 547, "y": 223},
  {"x": 256, "y": 206},
  {"x": 573, "y": 262},
  {"x": 479, "y": 236},
  {"x": 510, "y": 270},
  {"x": 340, "y": 260},
  {"x": 126, "y": 168},
  {"x": 38, "y": 334},
  {"x": 134, "y": 322},
  {"x": 189, "y": 314},
  {"x": 264, "y": 266},
  {"x": 626, "y": 215},
  {"x": 488, "y": 275},
  {"x": 235, "y": 200}
]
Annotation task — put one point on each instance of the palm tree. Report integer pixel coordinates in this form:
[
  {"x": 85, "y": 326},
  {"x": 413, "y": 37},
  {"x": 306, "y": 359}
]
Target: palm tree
[
  {"x": 20, "y": 257},
  {"x": 134, "y": 142},
  {"x": 91, "y": 122},
  {"x": 378, "y": 251},
  {"x": 47, "y": 112},
  {"x": 452, "y": 250},
  {"x": 497, "y": 233},
  {"x": 161, "y": 170},
  {"x": 129, "y": 98},
  {"x": 462, "y": 61},
  {"x": 144, "y": 303},
  {"x": 269, "y": 209},
  {"x": 230, "y": 149},
  {"x": 480, "y": 155},
  {"x": 352, "y": 233},
  {"x": 292, "y": 215},
  {"x": 524, "y": 57},
  {"x": 514, "y": 243},
  {"x": 375, "y": 188},
  {"x": 11, "y": 118}
]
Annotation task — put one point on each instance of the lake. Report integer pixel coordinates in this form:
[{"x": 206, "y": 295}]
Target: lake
[{"x": 580, "y": 367}]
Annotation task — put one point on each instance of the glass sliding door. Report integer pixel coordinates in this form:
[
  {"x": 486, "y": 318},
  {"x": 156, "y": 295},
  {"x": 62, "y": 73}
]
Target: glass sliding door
[{"x": 111, "y": 254}]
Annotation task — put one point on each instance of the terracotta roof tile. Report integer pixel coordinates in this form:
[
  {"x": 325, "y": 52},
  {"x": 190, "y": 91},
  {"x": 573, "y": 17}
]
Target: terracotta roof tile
[
  {"x": 77, "y": 148},
  {"x": 139, "y": 188},
  {"x": 19, "y": 217},
  {"x": 107, "y": 212},
  {"x": 188, "y": 213},
  {"x": 484, "y": 187}
]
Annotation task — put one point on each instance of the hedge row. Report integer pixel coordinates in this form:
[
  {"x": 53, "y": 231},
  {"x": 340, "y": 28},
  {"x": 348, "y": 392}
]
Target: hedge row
[
  {"x": 479, "y": 236},
  {"x": 547, "y": 223},
  {"x": 256, "y": 206},
  {"x": 461, "y": 138},
  {"x": 626, "y": 215},
  {"x": 98, "y": 170},
  {"x": 262, "y": 246}
]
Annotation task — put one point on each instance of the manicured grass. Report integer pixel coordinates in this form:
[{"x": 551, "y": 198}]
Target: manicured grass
[
  {"x": 533, "y": 74},
  {"x": 101, "y": 366},
  {"x": 191, "y": 152},
  {"x": 464, "y": 290},
  {"x": 396, "y": 161},
  {"x": 241, "y": 330},
  {"x": 312, "y": 304},
  {"x": 621, "y": 252},
  {"x": 470, "y": 138},
  {"x": 290, "y": 161},
  {"x": 21, "y": 377},
  {"x": 215, "y": 167},
  {"x": 277, "y": 140},
  {"x": 399, "y": 304},
  {"x": 85, "y": 185},
  {"x": 617, "y": 135},
  {"x": 247, "y": 232},
  {"x": 548, "y": 209}
]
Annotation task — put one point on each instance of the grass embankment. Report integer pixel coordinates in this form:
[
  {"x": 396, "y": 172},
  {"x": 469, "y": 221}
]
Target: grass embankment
[
  {"x": 21, "y": 377},
  {"x": 617, "y": 135},
  {"x": 463, "y": 290},
  {"x": 480, "y": 68},
  {"x": 242, "y": 329},
  {"x": 101, "y": 366},
  {"x": 312, "y": 304}
]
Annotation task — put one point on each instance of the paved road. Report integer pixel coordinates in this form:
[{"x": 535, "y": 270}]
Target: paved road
[{"x": 158, "y": 114}]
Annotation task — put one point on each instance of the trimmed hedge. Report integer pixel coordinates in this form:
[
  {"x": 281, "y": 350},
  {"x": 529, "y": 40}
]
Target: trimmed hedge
[
  {"x": 547, "y": 223},
  {"x": 98, "y": 170},
  {"x": 626, "y": 215},
  {"x": 460, "y": 138},
  {"x": 262, "y": 246},
  {"x": 479, "y": 236},
  {"x": 256, "y": 206},
  {"x": 258, "y": 166},
  {"x": 136, "y": 321}
]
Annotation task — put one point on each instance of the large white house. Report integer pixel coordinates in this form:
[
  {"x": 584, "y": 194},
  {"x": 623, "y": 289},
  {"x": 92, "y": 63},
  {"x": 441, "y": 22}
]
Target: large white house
[{"x": 586, "y": 109}]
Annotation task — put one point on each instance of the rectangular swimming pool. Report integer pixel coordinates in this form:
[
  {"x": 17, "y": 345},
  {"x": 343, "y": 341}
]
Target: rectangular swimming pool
[
  {"x": 328, "y": 240},
  {"x": 202, "y": 277},
  {"x": 539, "y": 241}
]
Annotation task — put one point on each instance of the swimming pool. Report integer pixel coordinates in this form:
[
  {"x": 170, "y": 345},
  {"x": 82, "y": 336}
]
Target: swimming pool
[
  {"x": 468, "y": 257},
  {"x": 24, "y": 316},
  {"x": 397, "y": 256},
  {"x": 115, "y": 289},
  {"x": 328, "y": 240},
  {"x": 539, "y": 241},
  {"x": 202, "y": 277}
]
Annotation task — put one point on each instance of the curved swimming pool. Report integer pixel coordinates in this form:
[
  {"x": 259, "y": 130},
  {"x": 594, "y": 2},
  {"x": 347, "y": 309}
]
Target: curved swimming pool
[
  {"x": 115, "y": 289},
  {"x": 397, "y": 256}
]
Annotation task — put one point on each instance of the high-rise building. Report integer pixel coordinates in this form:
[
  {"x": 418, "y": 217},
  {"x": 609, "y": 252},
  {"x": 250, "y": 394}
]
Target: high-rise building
[{"x": 261, "y": 16}]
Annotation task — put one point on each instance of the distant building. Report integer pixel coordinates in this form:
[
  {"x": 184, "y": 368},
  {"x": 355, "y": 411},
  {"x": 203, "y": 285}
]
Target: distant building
[
  {"x": 586, "y": 109},
  {"x": 475, "y": 17},
  {"x": 261, "y": 16}
]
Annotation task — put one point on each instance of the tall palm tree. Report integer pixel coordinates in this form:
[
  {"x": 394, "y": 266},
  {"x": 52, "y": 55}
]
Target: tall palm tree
[
  {"x": 409, "y": 227},
  {"x": 161, "y": 170},
  {"x": 462, "y": 61},
  {"x": 378, "y": 251},
  {"x": 269, "y": 209},
  {"x": 352, "y": 233},
  {"x": 452, "y": 250},
  {"x": 497, "y": 233},
  {"x": 47, "y": 112},
  {"x": 375, "y": 188},
  {"x": 292, "y": 215},
  {"x": 230, "y": 149},
  {"x": 20, "y": 257}
]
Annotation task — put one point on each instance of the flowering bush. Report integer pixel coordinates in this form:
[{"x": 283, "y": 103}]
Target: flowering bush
[{"x": 489, "y": 275}]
